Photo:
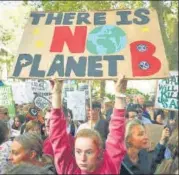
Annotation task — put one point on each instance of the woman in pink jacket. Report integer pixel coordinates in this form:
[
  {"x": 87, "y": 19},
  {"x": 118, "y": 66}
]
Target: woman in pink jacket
[{"x": 88, "y": 157}]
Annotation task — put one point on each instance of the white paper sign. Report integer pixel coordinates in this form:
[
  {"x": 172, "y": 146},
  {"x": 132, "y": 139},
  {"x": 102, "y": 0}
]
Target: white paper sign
[
  {"x": 20, "y": 94},
  {"x": 76, "y": 102},
  {"x": 39, "y": 87},
  {"x": 167, "y": 92}
]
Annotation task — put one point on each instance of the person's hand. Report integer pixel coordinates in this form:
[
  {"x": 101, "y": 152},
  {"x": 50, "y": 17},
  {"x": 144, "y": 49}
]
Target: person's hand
[
  {"x": 120, "y": 88},
  {"x": 165, "y": 135},
  {"x": 57, "y": 86},
  {"x": 121, "y": 84}
]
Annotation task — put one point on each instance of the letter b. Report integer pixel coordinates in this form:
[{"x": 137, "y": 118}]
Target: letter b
[{"x": 143, "y": 61}]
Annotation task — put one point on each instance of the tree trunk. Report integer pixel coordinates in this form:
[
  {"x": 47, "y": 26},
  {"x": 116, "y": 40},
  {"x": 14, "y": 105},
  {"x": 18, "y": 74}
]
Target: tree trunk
[{"x": 102, "y": 88}]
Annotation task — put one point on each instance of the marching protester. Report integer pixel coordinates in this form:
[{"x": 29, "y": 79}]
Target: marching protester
[
  {"x": 5, "y": 145},
  {"x": 95, "y": 121},
  {"x": 148, "y": 110},
  {"x": 47, "y": 146},
  {"x": 27, "y": 148},
  {"x": 18, "y": 121},
  {"x": 170, "y": 165},
  {"x": 26, "y": 168},
  {"x": 4, "y": 116},
  {"x": 159, "y": 117},
  {"x": 135, "y": 111},
  {"x": 89, "y": 158},
  {"x": 71, "y": 127},
  {"x": 107, "y": 108},
  {"x": 33, "y": 126},
  {"x": 137, "y": 158}
]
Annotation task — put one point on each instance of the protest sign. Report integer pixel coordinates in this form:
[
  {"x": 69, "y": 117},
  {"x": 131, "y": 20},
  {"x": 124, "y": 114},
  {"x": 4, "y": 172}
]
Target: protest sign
[
  {"x": 154, "y": 133},
  {"x": 20, "y": 94},
  {"x": 167, "y": 92},
  {"x": 39, "y": 88},
  {"x": 76, "y": 102},
  {"x": 92, "y": 45},
  {"x": 41, "y": 102},
  {"x": 35, "y": 114},
  {"x": 6, "y": 100},
  {"x": 84, "y": 87}
]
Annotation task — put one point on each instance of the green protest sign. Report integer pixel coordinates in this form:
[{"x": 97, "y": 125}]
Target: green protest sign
[
  {"x": 167, "y": 92},
  {"x": 6, "y": 99}
]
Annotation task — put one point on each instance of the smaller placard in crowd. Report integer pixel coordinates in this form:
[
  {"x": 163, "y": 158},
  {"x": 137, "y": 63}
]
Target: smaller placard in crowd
[
  {"x": 84, "y": 87},
  {"x": 167, "y": 92},
  {"x": 35, "y": 114},
  {"x": 39, "y": 88},
  {"x": 6, "y": 100},
  {"x": 41, "y": 102},
  {"x": 20, "y": 94},
  {"x": 76, "y": 102}
]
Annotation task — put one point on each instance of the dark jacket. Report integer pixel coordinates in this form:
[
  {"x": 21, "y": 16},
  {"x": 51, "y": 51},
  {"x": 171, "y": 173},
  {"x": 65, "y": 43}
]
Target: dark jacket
[
  {"x": 145, "y": 164},
  {"x": 102, "y": 126}
]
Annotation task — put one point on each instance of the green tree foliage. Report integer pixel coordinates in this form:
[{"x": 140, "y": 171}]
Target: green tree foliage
[
  {"x": 168, "y": 20},
  {"x": 129, "y": 92}
]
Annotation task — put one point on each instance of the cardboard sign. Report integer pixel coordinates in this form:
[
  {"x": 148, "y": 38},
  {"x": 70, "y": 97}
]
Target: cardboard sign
[
  {"x": 6, "y": 100},
  {"x": 35, "y": 114},
  {"x": 154, "y": 133},
  {"x": 88, "y": 45},
  {"x": 167, "y": 93},
  {"x": 76, "y": 102}
]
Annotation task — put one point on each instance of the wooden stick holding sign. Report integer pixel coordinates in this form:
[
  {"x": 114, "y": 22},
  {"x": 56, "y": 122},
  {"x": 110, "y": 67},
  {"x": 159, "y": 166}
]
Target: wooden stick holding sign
[{"x": 90, "y": 104}]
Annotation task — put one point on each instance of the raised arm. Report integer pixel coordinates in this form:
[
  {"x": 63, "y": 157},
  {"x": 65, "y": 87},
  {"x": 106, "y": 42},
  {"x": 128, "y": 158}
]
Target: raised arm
[
  {"x": 58, "y": 135},
  {"x": 115, "y": 146}
]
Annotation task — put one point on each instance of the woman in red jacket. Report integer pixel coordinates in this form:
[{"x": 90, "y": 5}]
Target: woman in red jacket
[{"x": 88, "y": 157}]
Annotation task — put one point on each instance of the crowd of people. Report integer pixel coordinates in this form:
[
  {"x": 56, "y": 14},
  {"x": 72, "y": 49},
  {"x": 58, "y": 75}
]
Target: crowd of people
[{"x": 112, "y": 140}]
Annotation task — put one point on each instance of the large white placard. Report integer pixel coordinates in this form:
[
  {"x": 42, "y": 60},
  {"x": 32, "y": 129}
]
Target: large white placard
[{"x": 76, "y": 102}]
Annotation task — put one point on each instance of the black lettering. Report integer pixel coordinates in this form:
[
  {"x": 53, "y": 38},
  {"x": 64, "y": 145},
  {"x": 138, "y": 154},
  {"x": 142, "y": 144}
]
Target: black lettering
[
  {"x": 34, "y": 72},
  {"x": 23, "y": 60},
  {"x": 124, "y": 17},
  {"x": 67, "y": 18},
  {"x": 36, "y": 17},
  {"x": 83, "y": 18},
  {"x": 93, "y": 66},
  {"x": 142, "y": 14},
  {"x": 112, "y": 63},
  {"x": 57, "y": 66},
  {"x": 99, "y": 18},
  {"x": 79, "y": 68},
  {"x": 57, "y": 18}
]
